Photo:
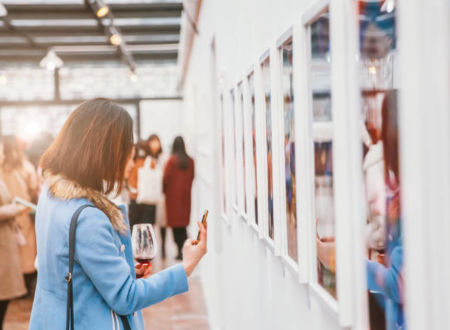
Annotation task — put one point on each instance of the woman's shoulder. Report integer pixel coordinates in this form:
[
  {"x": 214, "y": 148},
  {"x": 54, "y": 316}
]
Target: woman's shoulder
[{"x": 64, "y": 207}]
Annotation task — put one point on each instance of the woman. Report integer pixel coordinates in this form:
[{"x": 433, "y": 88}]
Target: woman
[
  {"x": 21, "y": 183},
  {"x": 85, "y": 162},
  {"x": 147, "y": 173},
  {"x": 177, "y": 183},
  {"x": 11, "y": 280}
]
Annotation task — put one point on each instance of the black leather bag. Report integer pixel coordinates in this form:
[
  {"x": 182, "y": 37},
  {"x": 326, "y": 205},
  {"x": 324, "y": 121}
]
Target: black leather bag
[{"x": 72, "y": 231}]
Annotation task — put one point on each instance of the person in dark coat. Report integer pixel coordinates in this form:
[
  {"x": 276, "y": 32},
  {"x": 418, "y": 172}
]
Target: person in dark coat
[{"x": 177, "y": 183}]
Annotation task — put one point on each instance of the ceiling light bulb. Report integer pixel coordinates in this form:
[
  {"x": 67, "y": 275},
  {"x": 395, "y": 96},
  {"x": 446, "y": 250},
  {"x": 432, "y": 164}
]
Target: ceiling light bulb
[
  {"x": 101, "y": 8},
  {"x": 372, "y": 70},
  {"x": 115, "y": 39},
  {"x": 102, "y": 12}
]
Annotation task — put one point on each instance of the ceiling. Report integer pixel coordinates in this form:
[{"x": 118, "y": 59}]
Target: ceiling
[{"x": 150, "y": 31}]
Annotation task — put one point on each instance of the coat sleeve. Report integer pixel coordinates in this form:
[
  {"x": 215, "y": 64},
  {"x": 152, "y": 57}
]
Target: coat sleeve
[
  {"x": 110, "y": 273},
  {"x": 386, "y": 280}
]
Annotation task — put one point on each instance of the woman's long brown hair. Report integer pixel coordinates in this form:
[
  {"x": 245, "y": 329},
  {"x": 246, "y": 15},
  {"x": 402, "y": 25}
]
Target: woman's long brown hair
[{"x": 93, "y": 146}]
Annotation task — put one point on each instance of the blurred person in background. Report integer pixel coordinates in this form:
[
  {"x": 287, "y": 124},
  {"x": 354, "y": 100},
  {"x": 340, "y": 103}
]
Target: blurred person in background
[
  {"x": 146, "y": 180},
  {"x": 12, "y": 283},
  {"x": 87, "y": 161},
  {"x": 177, "y": 184},
  {"x": 34, "y": 151},
  {"x": 20, "y": 179}
]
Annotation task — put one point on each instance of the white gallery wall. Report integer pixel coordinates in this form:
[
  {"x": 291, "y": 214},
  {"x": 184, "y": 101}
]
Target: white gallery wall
[
  {"x": 245, "y": 284},
  {"x": 248, "y": 283},
  {"x": 164, "y": 118}
]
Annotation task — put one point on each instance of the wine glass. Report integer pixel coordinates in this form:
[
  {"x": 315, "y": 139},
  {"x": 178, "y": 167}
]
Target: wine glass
[{"x": 144, "y": 243}]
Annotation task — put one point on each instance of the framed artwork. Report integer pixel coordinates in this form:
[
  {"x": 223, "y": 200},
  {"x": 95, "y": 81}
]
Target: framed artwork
[
  {"x": 319, "y": 60},
  {"x": 253, "y": 164},
  {"x": 223, "y": 179},
  {"x": 381, "y": 169},
  {"x": 290, "y": 180},
  {"x": 241, "y": 136},
  {"x": 234, "y": 162},
  {"x": 265, "y": 68}
]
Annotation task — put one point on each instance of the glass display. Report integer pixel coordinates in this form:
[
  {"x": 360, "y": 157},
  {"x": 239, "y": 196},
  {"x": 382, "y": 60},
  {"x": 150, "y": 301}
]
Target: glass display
[
  {"x": 241, "y": 113},
  {"x": 380, "y": 163},
  {"x": 251, "y": 88},
  {"x": 267, "y": 97},
  {"x": 289, "y": 150},
  {"x": 322, "y": 130}
]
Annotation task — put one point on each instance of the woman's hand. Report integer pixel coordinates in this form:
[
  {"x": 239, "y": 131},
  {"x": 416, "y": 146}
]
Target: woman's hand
[
  {"x": 13, "y": 209},
  {"x": 143, "y": 270},
  {"x": 193, "y": 251}
]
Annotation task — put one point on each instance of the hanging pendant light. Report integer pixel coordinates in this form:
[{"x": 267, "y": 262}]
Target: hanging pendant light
[{"x": 51, "y": 61}]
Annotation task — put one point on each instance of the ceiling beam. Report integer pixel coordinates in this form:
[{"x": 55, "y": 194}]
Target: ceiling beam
[
  {"x": 21, "y": 103},
  {"x": 30, "y": 8},
  {"x": 36, "y": 57}
]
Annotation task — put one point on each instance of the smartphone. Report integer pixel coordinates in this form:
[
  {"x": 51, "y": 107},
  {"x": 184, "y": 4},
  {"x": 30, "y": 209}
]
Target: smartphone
[{"x": 205, "y": 216}]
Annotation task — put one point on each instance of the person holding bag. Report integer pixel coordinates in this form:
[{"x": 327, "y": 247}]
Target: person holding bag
[
  {"x": 11, "y": 172},
  {"x": 86, "y": 273},
  {"x": 12, "y": 283},
  {"x": 146, "y": 180},
  {"x": 147, "y": 201}
]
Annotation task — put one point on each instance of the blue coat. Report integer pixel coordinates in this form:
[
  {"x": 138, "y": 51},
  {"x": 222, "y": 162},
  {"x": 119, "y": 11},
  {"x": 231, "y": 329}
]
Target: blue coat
[{"x": 103, "y": 278}]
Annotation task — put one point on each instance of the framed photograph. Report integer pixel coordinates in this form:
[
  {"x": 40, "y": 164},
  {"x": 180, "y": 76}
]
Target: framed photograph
[
  {"x": 234, "y": 163},
  {"x": 252, "y": 163},
  {"x": 316, "y": 31},
  {"x": 240, "y": 138},
  {"x": 223, "y": 163},
  {"x": 289, "y": 146},
  {"x": 266, "y": 83}
]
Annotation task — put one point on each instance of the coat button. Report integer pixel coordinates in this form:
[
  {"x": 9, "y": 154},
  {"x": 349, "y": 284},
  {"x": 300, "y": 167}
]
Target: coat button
[{"x": 122, "y": 248}]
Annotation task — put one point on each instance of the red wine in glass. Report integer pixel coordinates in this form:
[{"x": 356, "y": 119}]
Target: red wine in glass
[{"x": 144, "y": 244}]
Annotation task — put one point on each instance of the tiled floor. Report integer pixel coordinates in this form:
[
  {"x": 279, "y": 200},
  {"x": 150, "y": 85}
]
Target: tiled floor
[{"x": 182, "y": 312}]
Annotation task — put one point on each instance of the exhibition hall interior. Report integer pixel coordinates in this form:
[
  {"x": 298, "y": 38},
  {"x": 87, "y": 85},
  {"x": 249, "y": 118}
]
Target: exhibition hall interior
[{"x": 246, "y": 164}]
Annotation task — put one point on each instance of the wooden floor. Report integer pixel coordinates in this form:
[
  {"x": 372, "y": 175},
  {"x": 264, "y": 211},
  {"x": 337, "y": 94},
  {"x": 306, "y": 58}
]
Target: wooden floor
[{"x": 186, "y": 311}]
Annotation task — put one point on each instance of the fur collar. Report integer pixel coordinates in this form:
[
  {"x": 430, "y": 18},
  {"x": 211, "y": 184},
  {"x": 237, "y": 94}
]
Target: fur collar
[{"x": 65, "y": 189}]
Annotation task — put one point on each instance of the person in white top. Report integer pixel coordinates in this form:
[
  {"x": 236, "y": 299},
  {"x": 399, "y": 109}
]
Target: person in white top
[{"x": 145, "y": 182}]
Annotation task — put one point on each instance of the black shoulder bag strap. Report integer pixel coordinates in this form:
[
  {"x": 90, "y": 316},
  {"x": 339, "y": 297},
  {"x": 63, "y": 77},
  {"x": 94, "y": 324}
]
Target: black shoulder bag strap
[{"x": 68, "y": 277}]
